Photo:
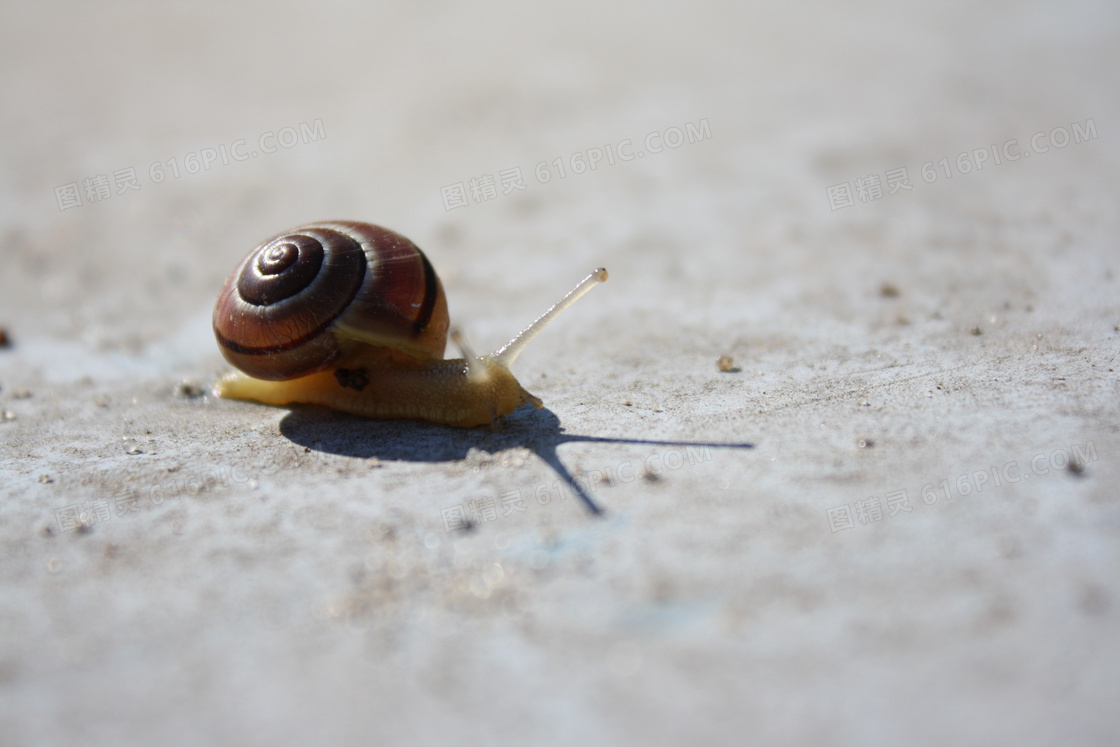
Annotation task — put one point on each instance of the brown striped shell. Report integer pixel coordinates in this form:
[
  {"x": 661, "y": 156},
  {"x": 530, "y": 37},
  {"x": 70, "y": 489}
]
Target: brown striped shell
[{"x": 320, "y": 293}]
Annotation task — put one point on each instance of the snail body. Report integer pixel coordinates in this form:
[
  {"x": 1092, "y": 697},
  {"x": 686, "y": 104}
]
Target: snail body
[{"x": 353, "y": 316}]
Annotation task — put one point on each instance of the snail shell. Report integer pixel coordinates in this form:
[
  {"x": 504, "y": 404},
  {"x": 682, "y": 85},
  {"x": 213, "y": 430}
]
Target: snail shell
[{"x": 311, "y": 297}]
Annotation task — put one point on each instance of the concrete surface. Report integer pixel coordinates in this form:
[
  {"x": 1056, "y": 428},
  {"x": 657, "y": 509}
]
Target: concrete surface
[{"x": 180, "y": 570}]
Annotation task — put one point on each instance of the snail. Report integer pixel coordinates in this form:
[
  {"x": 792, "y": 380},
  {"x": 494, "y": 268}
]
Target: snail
[{"x": 352, "y": 316}]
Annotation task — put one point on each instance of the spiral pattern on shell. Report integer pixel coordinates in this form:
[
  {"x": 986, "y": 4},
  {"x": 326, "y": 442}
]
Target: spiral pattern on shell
[{"x": 319, "y": 293}]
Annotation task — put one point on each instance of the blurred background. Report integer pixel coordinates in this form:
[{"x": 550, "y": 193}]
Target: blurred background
[{"x": 899, "y": 220}]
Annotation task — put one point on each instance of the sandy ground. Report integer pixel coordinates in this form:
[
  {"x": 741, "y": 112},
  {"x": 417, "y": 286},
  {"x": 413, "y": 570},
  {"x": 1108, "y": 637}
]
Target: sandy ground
[{"x": 896, "y": 522}]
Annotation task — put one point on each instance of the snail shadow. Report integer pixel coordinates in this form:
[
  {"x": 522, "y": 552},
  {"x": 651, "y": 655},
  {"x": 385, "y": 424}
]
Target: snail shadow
[{"x": 323, "y": 430}]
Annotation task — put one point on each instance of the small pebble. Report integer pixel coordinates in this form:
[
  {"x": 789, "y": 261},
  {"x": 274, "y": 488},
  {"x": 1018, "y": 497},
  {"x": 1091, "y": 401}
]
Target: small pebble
[
  {"x": 725, "y": 363},
  {"x": 190, "y": 389}
]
